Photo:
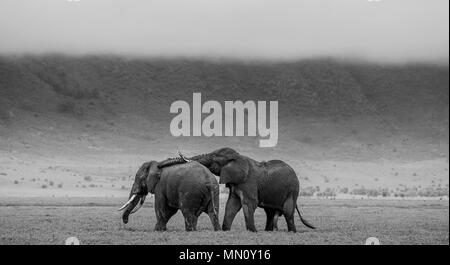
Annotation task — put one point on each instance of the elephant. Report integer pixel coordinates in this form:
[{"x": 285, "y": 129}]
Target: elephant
[
  {"x": 271, "y": 185},
  {"x": 189, "y": 187}
]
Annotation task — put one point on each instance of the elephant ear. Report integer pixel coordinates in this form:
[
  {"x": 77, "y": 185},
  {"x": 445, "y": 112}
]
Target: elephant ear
[
  {"x": 153, "y": 176},
  {"x": 235, "y": 172}
]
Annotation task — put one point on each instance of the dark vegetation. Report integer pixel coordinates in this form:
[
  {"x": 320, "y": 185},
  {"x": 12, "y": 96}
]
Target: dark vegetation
[
  {"x": 400, "y": 191},
  {"x": 321, "y": 87}
]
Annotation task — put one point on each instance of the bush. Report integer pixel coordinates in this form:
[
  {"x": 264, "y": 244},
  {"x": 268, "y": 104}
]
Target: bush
[
  {"x": 4, "y": 115},
  {"x": 385, "y": 193},
  {"x": 344, "y": 190},
  {"x": 328, "y": 192},
  {"x": 67, "y": 107},
  {"x": 372, "y": 193},
  {"x": 88, "y": 178},
  {"x": 359, "y": 191},
  {"x": 307, "y": 192}
]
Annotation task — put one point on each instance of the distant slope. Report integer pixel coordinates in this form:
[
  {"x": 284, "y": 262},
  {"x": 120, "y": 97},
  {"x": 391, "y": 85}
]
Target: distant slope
[{"x": 323, "y": 103}]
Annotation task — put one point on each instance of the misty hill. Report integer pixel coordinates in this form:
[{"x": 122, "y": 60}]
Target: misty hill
[
  {"x": 409, "y": 100},
  {"x": 93, "y": 120},
  {"x": 323, "y": 88}
]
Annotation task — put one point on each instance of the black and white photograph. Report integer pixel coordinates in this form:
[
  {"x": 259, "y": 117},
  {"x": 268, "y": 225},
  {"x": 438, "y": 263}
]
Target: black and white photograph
[{"x": 224, "y": 122}]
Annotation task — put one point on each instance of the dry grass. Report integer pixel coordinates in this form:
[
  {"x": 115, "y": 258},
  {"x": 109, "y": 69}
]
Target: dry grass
[{"x": 51, "y": 221}]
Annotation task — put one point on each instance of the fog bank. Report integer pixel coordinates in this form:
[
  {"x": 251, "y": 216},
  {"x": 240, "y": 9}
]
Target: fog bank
[{"x": 384, "y": 30}]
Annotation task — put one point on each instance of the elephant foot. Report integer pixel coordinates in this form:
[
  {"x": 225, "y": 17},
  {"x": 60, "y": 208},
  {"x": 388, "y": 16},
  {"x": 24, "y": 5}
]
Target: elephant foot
[
  {"x": 292, "y": 229},
  {"x": 252, "y": 229},
  {"x": 160, "y": 228}
]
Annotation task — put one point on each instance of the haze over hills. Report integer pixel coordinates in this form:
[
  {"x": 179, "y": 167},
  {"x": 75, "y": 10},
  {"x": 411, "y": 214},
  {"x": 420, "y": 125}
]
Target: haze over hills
[{"x": 340, "y": 123}]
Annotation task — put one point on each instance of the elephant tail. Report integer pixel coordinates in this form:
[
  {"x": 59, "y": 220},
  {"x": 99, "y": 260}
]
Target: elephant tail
[
  {"x": 212, "y": 199},
  {"x": 213, "y": 189},
  {"x": 303, "y": 220}
]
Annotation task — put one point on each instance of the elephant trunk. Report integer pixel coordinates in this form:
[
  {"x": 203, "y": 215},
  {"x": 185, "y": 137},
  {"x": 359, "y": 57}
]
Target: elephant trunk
[
  {"x": 135, "y": 199},
  {"x": 204, "y": 159}
]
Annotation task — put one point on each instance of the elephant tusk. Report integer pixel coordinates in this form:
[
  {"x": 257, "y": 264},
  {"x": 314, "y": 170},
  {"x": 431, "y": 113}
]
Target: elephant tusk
[
  {"x": 141, "y": 202},
  {"x": 128, "y": 202},
  {"x": 183, "y": 157}
]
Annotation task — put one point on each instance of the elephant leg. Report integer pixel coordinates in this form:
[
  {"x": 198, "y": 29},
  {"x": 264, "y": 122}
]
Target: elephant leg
[
  {"x": 249, "y": 212},
  {"x": 275, "y": 220},
  {"x": 288, "y": 212},
  {"x": 231, "y": 209},
  {"x": 249, "y": 207},
  {"x": 190, "y": 220},
  {"x": 163, "y": 216},
  {"x": 270, "y": 213}
]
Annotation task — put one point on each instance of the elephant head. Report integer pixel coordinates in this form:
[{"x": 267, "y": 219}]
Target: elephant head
[
  {"x": 144, "y": 182},
  {"x": 226, "y": 163}
]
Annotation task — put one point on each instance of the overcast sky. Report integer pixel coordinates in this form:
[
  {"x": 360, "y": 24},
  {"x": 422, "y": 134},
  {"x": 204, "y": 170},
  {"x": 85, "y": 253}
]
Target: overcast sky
[{"x": 393, "y": 30}]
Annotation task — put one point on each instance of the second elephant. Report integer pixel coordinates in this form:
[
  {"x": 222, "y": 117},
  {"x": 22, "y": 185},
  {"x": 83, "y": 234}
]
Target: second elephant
[{"x": 271, "y": 185}]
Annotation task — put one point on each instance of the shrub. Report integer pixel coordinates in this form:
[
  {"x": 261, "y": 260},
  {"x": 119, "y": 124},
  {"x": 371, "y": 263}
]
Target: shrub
[
  {"x": 88, "y": 178},
  {"x": 328, "y": 192},
  {"x": 307, "y": 192},
  {"x": 67, "y": 107},
  {"x": 4, "y": 115},
  {"x": 385, "y": 193},
  {"x": 344, "y": 190},
  {"x": 16, "y": 182},
  {"x": 359, "y": 191},
  {"x": 372, "y": 193}
]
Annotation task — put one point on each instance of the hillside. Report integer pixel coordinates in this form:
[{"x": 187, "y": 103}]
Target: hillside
[{"x": 102, "y": 116}]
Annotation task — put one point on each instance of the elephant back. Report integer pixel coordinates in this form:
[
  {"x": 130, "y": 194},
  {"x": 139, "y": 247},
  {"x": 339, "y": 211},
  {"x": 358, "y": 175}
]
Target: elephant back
[{"x": 191, "y": 171}]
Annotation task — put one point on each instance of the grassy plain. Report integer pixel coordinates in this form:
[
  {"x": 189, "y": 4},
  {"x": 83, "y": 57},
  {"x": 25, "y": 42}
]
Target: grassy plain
[{"x": 96, "y": 221}]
